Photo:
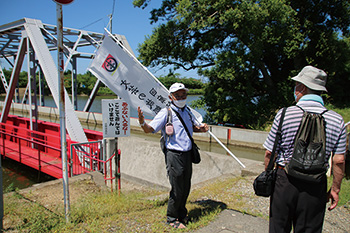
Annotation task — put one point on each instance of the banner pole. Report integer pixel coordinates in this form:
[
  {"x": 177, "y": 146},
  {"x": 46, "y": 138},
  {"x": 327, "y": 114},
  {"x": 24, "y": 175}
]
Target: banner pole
[
  {"x": 131, "y": 55},
  {"x": 221, "y": 144},
  {"x": 137, "y": 61}
]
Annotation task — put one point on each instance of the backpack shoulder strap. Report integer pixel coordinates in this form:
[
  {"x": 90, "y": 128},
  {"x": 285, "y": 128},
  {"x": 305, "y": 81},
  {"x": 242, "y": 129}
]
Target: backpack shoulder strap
[
  {"x": 278, "y": 134},
  {"x": 169, "y": 118},
  {"x": 300, "y": 108},
  {"x": 324, "y": 112},
  {"x": 189, "y": 113}
]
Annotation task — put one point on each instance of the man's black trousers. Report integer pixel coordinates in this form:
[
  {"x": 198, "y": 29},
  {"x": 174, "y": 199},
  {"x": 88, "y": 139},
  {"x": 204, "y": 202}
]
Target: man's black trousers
[
  {"x": 297, "y": 203},
  {"x": 179, "y": 169}
]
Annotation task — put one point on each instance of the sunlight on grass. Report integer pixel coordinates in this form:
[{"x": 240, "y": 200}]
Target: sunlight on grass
[
  {"x": 344, "y": 195},
  {"x": 344, "y": 112},
  {"x": 134, "y": 212},
  {"x": 24, "y": 215}
]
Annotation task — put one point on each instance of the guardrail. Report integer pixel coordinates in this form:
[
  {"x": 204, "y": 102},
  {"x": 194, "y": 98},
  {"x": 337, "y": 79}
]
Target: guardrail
[
  {"x": 117, "y": 173},
  {"x": 30, "y": 147},
  {"x": 42, "y": 151},
  {"x": 228, "y": 135},
  {"x": 88, "y": 156}
]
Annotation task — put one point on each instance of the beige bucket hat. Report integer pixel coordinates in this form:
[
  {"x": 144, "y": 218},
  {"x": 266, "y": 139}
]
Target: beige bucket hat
[{"x": 313, "y": 78}]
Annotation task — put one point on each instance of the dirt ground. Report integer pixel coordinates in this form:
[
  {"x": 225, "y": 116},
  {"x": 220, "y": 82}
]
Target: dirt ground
[{"x": 50, "y": 194}]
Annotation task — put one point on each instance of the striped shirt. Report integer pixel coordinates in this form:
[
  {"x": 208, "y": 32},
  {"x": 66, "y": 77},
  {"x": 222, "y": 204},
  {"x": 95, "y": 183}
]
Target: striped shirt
[{"x": 334, "y": 124}]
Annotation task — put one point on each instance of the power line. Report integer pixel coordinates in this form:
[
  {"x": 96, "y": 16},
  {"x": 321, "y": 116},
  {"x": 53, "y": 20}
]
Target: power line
[
  {"x": 113, "y": 7},
  {"x": 110, "y": 19},
  {"x": 91, "y": 23}
]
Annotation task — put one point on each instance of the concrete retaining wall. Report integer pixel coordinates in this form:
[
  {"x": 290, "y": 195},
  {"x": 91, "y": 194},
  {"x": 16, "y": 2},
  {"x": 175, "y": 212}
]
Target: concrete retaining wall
[
  {"x": 143, "y": 161},
  {"x": 227, "y": 135}
]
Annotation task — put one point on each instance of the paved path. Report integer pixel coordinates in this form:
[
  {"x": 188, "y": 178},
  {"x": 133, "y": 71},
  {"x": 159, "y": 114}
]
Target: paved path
[{"x": 234, "y": 221}]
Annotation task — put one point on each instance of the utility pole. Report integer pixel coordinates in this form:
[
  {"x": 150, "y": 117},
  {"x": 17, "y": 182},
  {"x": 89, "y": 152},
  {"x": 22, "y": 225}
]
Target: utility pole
[
  {"x": 60, "y": 65},
  {"x": 1, "y": 198}
]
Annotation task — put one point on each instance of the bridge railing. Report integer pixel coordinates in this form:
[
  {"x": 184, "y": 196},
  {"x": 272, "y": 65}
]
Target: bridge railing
[
  {"x": 88, "y": 156},
  {"x": 42, "y": 151},
  {"x": 28, "y": 147}
]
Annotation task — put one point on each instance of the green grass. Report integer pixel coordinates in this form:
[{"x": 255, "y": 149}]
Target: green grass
[
  {"x": 24, "y": 215},
  {"x": 129, "y": 212},
  {"x": 344, "y": 195},
  {"x": 344, "y": 112},
  {"x": 133, "y": 212},
  {"x": 101, "y": 212}
]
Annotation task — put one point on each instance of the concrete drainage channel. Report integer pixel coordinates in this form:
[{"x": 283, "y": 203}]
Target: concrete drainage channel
[{"x": 143, "y": 161}]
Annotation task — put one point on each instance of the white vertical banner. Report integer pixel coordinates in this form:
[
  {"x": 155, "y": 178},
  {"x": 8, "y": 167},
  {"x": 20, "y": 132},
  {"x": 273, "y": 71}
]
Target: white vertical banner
[
  {"x": 126, "y": 76},
  {"x": 121, "y": 72},
  {"x": 115, "y": 118}
]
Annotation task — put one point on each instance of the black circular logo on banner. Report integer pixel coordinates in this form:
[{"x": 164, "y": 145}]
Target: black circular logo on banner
[{"x": 110, "y": 64}]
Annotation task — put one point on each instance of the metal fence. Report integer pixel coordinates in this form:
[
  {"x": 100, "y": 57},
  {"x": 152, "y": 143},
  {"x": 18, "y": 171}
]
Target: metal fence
[
  {"x": 41, "y": 151},
  {"x": 30, "y": 147},
  {"x": 88, "y": 156}
]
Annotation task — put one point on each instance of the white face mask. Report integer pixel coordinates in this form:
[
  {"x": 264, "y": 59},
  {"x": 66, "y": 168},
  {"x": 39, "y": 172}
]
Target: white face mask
[{"x": 180, "y": 103}]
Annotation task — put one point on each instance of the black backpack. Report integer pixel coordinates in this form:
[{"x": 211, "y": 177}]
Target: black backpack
[
  {"x": 169, "y": 130},
  {"x": 308, "y": 161}
]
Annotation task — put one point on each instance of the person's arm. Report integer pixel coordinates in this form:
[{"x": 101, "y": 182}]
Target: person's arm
[
  {"x": 202, "y": 128},
  {"x": 338, "y": 166},
  {"x": 146, "y": 127},
  {"x": 267, "y": 158}
]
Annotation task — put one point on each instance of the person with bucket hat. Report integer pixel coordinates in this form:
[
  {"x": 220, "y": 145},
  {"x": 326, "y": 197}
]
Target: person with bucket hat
[
  {"x": 297, "y": 203},
  {"x": 177, "y": 149}
]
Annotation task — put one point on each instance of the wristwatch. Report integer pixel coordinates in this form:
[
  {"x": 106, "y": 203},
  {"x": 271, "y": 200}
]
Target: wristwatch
[{"x": 142, "y": 123}]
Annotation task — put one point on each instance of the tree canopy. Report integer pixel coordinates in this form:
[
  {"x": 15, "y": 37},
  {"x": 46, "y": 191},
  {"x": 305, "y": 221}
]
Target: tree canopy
[
  {"x": 248, "y": 50},
  {"x": 190, "y": 83}
]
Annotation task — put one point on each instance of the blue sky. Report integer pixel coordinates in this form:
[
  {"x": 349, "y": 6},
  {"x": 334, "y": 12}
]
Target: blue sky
[{"x": 90, "y": 15}]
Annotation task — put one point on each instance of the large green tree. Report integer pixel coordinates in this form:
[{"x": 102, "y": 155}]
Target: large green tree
[{"x": 249, "y": 49}]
